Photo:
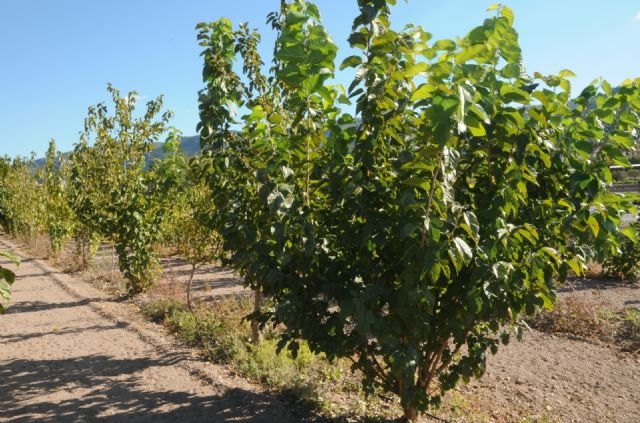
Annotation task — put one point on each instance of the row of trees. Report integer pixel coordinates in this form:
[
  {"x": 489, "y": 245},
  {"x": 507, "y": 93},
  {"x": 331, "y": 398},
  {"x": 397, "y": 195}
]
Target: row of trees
[
  {"x": 106, "y": 191},
  {"x": 404, "y": 222}
]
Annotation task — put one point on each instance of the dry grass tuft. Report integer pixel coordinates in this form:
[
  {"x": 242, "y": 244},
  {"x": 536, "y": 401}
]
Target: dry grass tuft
[{"x": 593, "y": 319}]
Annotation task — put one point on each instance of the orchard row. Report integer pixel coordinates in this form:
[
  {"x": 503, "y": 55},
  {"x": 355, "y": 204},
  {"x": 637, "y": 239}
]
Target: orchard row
[{"x": 405, "y": 221}]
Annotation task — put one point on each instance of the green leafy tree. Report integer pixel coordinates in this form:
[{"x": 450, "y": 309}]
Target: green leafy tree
[
  {"x": 58, "y": 216},
  {"x": 409, "y": 234},
  {"x": 236, "y": 177},
  {"x": 195, "y": 238},
  {"x": 23, "y": 209},
  {"x": 5, "y": 167},
  {"x": 7, "y": 278},
  {"x": 187, "y": 207},
  {"x": 85, "y": 199},
  {"x": 171, "y": 182},
  {"x": 110, "y": 187}
]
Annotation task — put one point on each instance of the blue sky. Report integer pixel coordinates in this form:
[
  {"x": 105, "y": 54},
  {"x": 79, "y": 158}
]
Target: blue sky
[{"x": 56, "y": 56}]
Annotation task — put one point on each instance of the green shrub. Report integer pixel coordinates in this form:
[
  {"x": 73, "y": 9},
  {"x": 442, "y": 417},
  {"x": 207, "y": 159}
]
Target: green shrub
[
  {"x": 626, "y": 264},
  {"x": 223, "y": 335},
  {"x": 158, "y": 311},
  {"x": 7, "y": 278},
  {"x": 263, "y": 363},
  {"x": 219, "y": 338},
  {"x": 629, "y": 331}
]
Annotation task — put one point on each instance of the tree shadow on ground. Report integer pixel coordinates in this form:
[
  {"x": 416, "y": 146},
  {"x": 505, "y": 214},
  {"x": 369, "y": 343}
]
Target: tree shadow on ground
[
  {"x": 110, "y": 389},
  {"x": 106, "y": 389},
  {"x": 103, "y": 388},
  {"x": 37, "y": 306},
  {"x": 113, "y": 389},
  {"x": 600, "y": 283},
  {"x": 26, "y": 336},
  {"x": 33, "y": 275},
  {"x": 213, "y": 273}
]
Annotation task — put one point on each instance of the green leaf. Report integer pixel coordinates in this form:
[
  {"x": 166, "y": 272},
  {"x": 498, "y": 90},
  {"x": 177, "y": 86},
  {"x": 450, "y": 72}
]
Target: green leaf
[
  {"x": 311, "y": 84},
  {"x": 463, "y": 248},
  {"x": 630, "y": 233},
  {"x": 14, "y": 259},
  {"x": 576, "y": 266},
  {"x": 551, "y": 252},
  {"x": 295, "y": 18},
  {"x": 469, "y": 53},
  {"x": 502, "y": 270},
  {"x": 511, "y": 70},
  {"x": 594, "y": 225},
  {"x": 423, "y": 91},
  {"x": 511, "y": 93},
  {"x": 351, "y": 62},
  {"x": 566, "y": 73},
  {"x": 6, "y": 275},
  {"x": 476, "y": 127},
  {"x": 507, "y": 13},
  {"x": 471, "y": 224},
  {"x": 435, "y": 272},
  {"x": 447, "y": 45},
  {"x": 416, "y": 69}
]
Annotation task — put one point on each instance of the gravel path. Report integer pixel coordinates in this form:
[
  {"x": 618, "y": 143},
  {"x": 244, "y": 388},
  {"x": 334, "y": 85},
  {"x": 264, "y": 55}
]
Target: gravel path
[{"x": 69, "y": 353}]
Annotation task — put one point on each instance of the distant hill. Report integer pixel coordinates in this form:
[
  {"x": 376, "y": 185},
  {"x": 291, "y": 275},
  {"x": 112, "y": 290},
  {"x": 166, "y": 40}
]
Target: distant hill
[{"x": 189, "y": 145}]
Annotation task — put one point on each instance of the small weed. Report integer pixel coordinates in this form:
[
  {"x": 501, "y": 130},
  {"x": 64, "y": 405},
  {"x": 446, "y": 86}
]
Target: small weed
[
  {"x": 625, "y": 265},
  {"x": 158, "y": 311},
  {"x": 218, "y": 338},
  {"x": 262, "y": 363},
  {"x": 628, "y": 335},
  {"x": 457, "y": 404},
  {"x": 632, "y": 316},
  {"x": 594, "y": 270}
]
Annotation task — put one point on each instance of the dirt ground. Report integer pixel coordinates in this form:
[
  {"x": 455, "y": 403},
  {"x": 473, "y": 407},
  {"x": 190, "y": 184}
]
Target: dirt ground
[
  {"x": 549, "y": 378},
  {"x": 69, "y": 352},
  {"x": 553, "y": 378}
]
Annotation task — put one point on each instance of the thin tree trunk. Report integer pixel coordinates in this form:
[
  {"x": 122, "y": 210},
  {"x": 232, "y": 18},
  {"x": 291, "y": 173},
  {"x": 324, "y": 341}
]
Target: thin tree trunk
[
  {"x": 189, "y": 284},
  {"x": 113, "y": 260},
  {"x": 84, "y": 253},
  {"x": 256, "y": 336},
  {"x": 411, "y": 414}
]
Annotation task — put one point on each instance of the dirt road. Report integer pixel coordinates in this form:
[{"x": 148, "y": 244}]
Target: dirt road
[{"x": 68, "y": 353}]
